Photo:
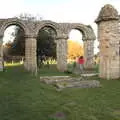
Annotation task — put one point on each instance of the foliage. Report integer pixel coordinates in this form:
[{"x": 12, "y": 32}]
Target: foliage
[
  {"x": 29, "y": 17},
  {"x": 96, "y": 59},
  {"x": 16, "y": 47},
  {"x": 74, "y": 49},
  {"x": 50, "y": 61},
  {"x": 46, "y": 46},
  {"x": 24, "y": 97}
]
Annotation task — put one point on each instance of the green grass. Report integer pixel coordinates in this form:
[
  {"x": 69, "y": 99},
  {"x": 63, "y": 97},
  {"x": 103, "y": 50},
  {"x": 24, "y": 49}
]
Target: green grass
[
  {"x": 50, "y": 71},
  {"x": 24, "y": 97}
]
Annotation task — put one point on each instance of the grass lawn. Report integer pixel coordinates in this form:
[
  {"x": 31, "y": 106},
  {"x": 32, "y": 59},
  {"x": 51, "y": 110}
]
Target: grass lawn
[
  {"x": 24, "y": 97},
  {"x": 50, "y": 71}
]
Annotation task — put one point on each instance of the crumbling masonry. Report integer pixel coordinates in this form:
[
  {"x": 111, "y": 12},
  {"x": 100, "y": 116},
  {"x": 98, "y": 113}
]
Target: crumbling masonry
[
  {"x": 108, "y": 22},
  {"x": 31, "y": 30}
]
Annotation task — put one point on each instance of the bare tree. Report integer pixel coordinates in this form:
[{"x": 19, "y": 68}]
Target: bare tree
[{"x": 29, "y": 17}]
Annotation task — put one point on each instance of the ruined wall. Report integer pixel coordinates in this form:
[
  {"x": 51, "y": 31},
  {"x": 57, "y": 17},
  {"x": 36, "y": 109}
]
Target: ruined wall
[
  {"x": 31, "y": 30},
  {"x": 88, "y": 38}
]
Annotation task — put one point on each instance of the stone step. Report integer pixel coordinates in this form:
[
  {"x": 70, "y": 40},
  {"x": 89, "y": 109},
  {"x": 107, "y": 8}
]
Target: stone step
[
  {"x": 89, "y": 74},
  {"x": 56, "y": 79}
]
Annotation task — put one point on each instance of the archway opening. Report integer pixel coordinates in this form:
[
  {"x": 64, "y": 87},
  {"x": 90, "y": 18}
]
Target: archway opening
[
  {"x": 75, "y": 45},
  {"x": 75, "y": 49},
  {"x": 46, "y": 47},
  {"x": 13, "y": 45}
]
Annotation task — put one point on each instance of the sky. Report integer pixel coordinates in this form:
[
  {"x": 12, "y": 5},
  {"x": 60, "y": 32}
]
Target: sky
[
  {"x": 81, "y": 11},
  {"x": 72, "y": 11}
]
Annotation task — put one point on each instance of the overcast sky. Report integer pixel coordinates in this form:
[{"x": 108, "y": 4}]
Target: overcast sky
[{"x": 81, "y": 11}]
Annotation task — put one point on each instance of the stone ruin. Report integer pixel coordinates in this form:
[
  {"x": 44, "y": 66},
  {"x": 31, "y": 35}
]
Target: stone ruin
[
  {"x": 108, "y": 22},
  {"x": 31, "y": 30}
]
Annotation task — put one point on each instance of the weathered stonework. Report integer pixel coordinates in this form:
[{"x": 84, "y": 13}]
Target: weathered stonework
[
  {"x": 1, "y": 55},
  {"x": 70, "y": 82},
  {"x": 88, "y": 54},
  {"x": 30, "y": 54},
  {"x": 88, "y": 39},
  {"x": 1, "y": 58},
  {"x": 61, "y": 53},
  {"x": 31, "y": 30},
  {"x": 109, "y": 38}
]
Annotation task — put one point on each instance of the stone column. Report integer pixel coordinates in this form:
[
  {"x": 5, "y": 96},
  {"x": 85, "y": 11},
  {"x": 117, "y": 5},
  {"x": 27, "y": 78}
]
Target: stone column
[
  {"x": 62, "y": 53},
  {"x": 89, "y": 54},
  {"x": 108, "y": 36},
  {"x": 1, "y": 54},
  {"x": 30, "y": 54}
]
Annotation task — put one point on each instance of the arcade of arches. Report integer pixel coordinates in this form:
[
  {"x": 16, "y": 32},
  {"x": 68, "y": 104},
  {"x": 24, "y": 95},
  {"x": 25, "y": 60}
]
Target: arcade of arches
[
  {"x": 108, "y": 22},
  {"x": 31, "y": 30}
]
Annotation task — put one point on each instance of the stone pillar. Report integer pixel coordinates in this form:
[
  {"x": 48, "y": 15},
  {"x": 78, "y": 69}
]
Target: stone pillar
[
  {"x": 89, "y": 54},
  {"x": 1, "y": 54},
  {"x": 62, "y": 53},
  {"x": 30, "y": 54},
  {"x": 108, "y": 36}
]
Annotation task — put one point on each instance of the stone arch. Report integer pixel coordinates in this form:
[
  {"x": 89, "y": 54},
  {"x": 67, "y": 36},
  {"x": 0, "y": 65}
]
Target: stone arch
[
  {"x": 54, "y": 26},
  {"x": 86, "y": 30},
  {"x": 81, "y": 29},
  {"x": 46, "y": 23},
  {"x": 8, "y": 22},
  {"x": 14, "y": 21},
  {"x": 88, "y": 38},
  {"x": 31, "y": 30}
]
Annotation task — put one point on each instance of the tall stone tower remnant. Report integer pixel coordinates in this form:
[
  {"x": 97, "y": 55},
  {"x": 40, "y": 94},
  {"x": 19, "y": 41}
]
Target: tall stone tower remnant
[{"x": 109, "y": 42}]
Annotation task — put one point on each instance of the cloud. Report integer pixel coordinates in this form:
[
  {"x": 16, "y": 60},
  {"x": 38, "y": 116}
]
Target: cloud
[
  {"x": 10, "y": 8},
  {"x": 81, "y": 11}
]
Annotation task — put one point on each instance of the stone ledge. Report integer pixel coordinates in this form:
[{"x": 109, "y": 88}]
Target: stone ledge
[
  {"x": 61, "y": 82},
  {"x": 54, "y": 79},
  {"x": 89, "y": 75},
  {"x": 79, "y": 84}
]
